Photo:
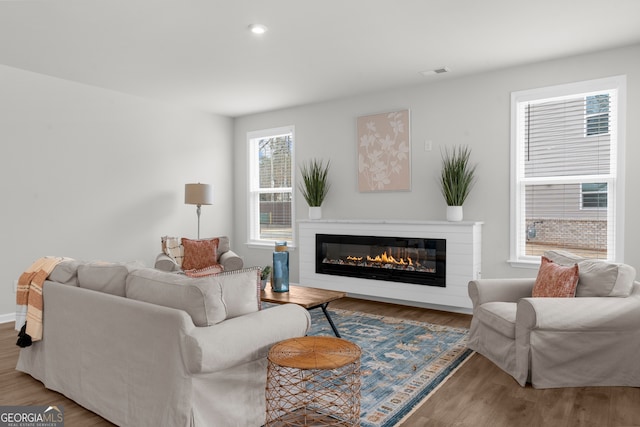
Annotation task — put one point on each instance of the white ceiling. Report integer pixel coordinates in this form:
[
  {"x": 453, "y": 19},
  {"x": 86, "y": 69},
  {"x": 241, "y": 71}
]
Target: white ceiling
[{"x": 199, "y": 53}]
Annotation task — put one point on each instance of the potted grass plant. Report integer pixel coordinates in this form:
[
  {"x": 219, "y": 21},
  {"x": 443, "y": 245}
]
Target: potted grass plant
[
  {"x": 456, "y": 179},
  {"x": 314, "y": 186},
  {"x": 264, "y": 276}
]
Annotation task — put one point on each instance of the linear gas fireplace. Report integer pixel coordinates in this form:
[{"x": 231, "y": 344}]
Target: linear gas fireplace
[{"x": 396, "y": 259}]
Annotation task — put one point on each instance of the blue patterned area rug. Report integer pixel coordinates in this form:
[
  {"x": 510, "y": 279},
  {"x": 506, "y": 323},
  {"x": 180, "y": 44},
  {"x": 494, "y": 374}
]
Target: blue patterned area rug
[{"x": 402, "y": 360}]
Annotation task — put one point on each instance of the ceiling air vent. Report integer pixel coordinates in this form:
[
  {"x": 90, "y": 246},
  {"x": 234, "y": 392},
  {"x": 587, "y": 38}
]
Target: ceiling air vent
[{"x": 436, "y": 71}]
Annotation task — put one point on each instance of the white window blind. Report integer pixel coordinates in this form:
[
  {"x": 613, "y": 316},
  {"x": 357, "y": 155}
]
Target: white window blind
[
  {"x": 271, "y": 185},
  {"x": 566, "y": 171}
]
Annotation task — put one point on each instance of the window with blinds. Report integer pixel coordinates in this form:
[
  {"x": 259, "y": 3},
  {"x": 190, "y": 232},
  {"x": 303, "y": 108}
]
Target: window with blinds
[
  {"x": 566, "y": 170},
  {"x": 271, "y": 185}
]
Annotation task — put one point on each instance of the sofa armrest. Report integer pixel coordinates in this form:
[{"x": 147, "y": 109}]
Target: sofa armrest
[
  {"x": 505, "y": 290},
  {"x": 230, "y": 261},
  {"x": 165, "y": 263},
  {"x": 582, "y": 314},
  {"x": 243, "y": 339}
]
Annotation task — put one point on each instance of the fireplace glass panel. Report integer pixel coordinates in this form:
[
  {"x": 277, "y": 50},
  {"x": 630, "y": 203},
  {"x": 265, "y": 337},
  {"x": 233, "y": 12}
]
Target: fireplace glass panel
[{"x": 409, "y": 260}]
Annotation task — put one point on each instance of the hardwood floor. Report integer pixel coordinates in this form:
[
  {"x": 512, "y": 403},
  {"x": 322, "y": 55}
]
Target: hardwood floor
[{"x": 478, "y": 394}]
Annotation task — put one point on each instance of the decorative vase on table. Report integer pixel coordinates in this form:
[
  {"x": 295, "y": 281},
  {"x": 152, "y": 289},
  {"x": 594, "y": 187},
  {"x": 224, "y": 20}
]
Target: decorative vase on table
[{"x": 280, "y": 272}]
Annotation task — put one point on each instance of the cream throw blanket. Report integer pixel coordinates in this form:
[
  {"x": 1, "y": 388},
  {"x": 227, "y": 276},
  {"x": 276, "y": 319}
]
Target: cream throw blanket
[{"x": 29, "y": 302}]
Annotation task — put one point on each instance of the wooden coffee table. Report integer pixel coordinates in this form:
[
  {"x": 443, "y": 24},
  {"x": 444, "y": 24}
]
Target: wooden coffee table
[{"x": 308, "y": 298}]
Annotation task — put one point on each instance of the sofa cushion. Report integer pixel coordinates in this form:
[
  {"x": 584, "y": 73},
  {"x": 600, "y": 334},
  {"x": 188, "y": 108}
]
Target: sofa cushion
[
  {"x": 199, "y": 253},
  {"x": 106, "y": 277},
  {"x": 563, "y": 257},
  {"x": 555, "y": 280},
  {"x": 500, "y": 316},
  {"x": 240, "y": 290},
  {"x": 200, "y": 298},
  {"x": 597, "y": 278},
  {"x": 66, "y": 273},
  {"x": 600, "y": 278},
  {"x": 208, "y": 300}
]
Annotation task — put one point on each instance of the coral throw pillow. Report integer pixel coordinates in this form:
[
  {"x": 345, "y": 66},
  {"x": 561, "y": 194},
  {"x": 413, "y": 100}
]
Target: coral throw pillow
[
  {"x": 555, "y": 280},
  {"x": 199, "y": 253}
]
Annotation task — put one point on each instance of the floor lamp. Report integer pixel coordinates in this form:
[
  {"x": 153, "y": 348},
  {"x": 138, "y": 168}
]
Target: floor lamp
[{"x": 198, "y": 194}]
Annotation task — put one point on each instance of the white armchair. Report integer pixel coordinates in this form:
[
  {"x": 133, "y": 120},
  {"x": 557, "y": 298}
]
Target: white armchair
[
  {"x": 561, "y": 342},
  {"x": 170, "y": 259}
]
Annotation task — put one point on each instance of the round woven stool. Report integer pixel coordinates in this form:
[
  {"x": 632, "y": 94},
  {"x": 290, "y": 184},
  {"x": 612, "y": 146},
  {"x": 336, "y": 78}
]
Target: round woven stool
[{"x": 313, "y": 381}]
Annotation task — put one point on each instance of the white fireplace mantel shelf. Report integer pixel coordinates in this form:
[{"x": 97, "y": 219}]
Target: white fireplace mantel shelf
[
  {"x": 389, "y": 221},
  {"x": 463, "y": 238}
]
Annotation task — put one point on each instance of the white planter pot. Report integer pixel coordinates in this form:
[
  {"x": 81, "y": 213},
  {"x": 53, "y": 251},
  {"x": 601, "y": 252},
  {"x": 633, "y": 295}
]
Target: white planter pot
[
  {"x": 315, "y": 212},
  {"x": 454, "y": 213}
]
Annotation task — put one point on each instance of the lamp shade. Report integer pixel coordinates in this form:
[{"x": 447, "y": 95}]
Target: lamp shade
[{"x": 198, "y": 194}]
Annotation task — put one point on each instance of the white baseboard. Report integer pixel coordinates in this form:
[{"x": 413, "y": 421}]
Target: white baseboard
[
  {"x": 6, "y": 318},
  {"x": 461, "y": 310}
]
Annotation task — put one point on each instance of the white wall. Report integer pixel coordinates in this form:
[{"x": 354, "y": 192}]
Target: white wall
[
  {"x": 471, "y": 110},
  {"x": 98, "y": 175}
]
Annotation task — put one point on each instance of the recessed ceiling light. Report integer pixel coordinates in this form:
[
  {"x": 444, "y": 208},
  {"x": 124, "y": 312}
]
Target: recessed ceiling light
[{"x": 257, "y": 28}]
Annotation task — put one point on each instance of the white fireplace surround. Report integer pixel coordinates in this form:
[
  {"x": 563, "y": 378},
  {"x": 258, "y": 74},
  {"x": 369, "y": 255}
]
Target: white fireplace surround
[{"x": 464, "y": 241}]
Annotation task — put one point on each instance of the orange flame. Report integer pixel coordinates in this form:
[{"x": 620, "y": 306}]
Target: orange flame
[{"x": 388, "y": 259}]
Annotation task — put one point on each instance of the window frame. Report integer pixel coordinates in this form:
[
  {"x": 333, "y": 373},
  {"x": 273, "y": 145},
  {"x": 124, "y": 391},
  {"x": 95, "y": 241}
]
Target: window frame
[
  {"x": 254, "y": 191},
  {"x": 616, "y": 186}
]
